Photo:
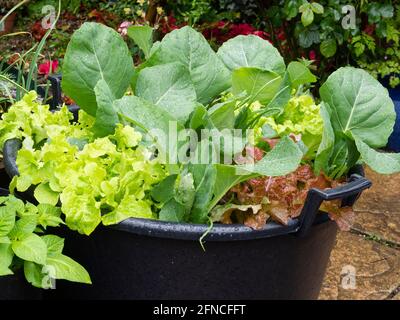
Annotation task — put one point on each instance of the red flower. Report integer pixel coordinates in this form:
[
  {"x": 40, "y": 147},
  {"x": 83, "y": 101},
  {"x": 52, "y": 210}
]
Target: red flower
[
  {"x": 241, "y": 29},
  {"x": 369, "y": 29},
  {"x": 221, "y": 24},
  {"x": 312, "y": 55},
  {"x": 262, "y": 34},
  {"x": 217, "y": 31},
  {"x": 37, "y": 30},
  {"x": 168, "y": 24},
  {"x": 44, "y": 68},
  {"x": 280, "y": 34}
]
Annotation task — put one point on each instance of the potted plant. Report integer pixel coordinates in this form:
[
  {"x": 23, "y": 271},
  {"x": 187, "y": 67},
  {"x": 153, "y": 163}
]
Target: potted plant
[{"x": 142, "y": 158}]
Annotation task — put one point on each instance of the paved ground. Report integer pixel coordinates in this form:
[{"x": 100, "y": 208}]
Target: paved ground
[{"x": 365, "y": 263}]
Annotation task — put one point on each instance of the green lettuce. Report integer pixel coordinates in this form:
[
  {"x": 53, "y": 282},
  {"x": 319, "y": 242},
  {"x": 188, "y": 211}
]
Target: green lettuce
[
  {"x": 301, "y": 116},
  {"x": 100, "y": 180},
  {"x": 28, "y": 118}
]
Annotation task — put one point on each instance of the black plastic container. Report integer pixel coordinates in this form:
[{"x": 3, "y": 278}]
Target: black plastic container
[
  {"x": 147, "y": 259},
  {"x": 15, "y": 287},
  {"x": 126, "y": 265}
]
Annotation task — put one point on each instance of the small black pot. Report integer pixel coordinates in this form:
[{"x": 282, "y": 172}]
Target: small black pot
[{"x": 148, "y": 259}]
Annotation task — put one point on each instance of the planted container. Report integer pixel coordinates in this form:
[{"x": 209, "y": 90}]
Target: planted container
[
  {"x": 144, "y": 259},
  {"x": 147, "y": 259},
  {"x": 111, "y": 168}
]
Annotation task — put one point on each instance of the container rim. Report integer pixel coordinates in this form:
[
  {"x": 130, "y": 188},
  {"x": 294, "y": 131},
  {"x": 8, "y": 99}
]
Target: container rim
[{"x": 218, "y": 233}]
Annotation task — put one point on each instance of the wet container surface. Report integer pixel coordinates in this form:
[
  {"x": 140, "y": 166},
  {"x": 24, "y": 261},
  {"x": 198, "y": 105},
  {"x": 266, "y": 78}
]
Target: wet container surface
[
  {"x": 125, "y": 265},
  {"x": 148, "y": 259}
]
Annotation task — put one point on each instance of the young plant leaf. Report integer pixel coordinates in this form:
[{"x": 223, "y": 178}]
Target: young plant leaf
[
  {"x": 184, "y": 191},
  {"x": 143, "y": 37},
  {"x": 31, "y": 248},
  {"x": 209, "y": 75},
  {"x": 284, "y": 158},
  {"x": 299, "y": 74},
  {"x": 260, "y": 85},
  {"x": 328, "y": 48},
  {"x": 307, "y": 17},
  {"x": 222, "y": 115},
  {"x": 317, "y": 8},
  {"x": 7, "y": 220},
  {"x": 44, "y": 194},
  {"x": 23, "y": 227},
  {"x": 151, "y": 118},
  {"x": 227, "y": 177},
  {"x": 95, "y": 52},
  {"x": 251, "y": 51},
  {"x": 129, "y": 207},
  {"x": 164, "y": 191},
  {"x": 281, "y": 97},
  {"x": 172, "y": 211},
  {"x": 204, "y": 195},
  {"x": 6, "y": 257},
  {"x": 55, "y": 244},
  {"x": 68, "y": 269},
  {"x": 200, "y": 119},
  {"x": 359, "y": 106},
  {"x": 34, "y": 274},
  {"x": 48, "y": 215},
  {"x": 106, "y": 116},
  {"x": 168, "y": 86},
  {"x": 344, "y": 156},
  {"x": 381, "y": 162},
  {"x": 325, "y": 148}
]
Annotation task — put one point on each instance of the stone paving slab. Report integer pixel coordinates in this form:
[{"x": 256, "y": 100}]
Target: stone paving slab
[
  {"x": 378, "y": 209},
  {"x": 376, "y": 266}
]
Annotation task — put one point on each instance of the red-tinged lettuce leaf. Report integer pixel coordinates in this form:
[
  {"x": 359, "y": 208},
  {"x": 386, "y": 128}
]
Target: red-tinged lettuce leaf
[{"x": 282, "y": 197}]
